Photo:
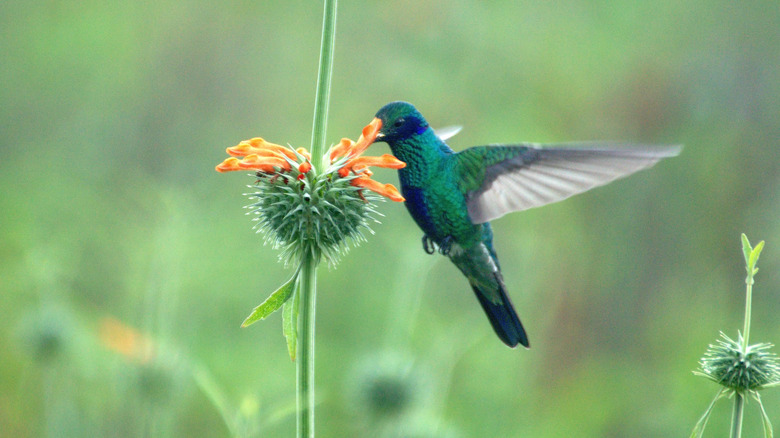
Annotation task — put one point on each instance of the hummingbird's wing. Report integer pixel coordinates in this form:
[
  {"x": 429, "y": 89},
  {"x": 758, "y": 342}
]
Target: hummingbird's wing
[
  {"x": 500, "y": 179},
  {"x": 447, "y": 132}
]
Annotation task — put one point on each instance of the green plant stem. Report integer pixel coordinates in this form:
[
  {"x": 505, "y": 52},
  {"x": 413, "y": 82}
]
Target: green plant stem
[
  {"x": 748, "y": 306},
  {"x": 322, "y": 99},
  {"x": 305, "y": 364},
  {"x": 736, "y": 416},
  {"x": 308, "y": 279}
]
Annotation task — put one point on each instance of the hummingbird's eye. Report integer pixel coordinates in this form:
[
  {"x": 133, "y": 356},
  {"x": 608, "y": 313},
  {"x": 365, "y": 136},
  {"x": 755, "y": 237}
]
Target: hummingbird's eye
[{"x": 398, "y": 123}]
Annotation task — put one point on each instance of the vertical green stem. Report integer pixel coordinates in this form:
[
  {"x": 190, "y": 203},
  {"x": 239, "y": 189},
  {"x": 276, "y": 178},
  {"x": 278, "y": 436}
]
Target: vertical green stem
[
  {"x": 308, "y": 279},
  {"x": 305, "y": 363},
  {"x": 748, "y": 306},
  {"x": 739, "y": 399},
  {"x": 736, "y": 416},
  {"x": 324, "y": 75}
]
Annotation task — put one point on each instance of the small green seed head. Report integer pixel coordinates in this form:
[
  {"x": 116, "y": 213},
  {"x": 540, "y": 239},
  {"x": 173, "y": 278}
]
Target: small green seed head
[
  {"x": 48, "y": 334},
  {"x": 726, "y": 363},
  {"x": 388, "y": 385}
]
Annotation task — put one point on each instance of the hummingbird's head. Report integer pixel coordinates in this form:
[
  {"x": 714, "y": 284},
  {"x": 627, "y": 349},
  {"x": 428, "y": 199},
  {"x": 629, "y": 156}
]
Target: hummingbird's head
[{"x": 400, "y": 121}]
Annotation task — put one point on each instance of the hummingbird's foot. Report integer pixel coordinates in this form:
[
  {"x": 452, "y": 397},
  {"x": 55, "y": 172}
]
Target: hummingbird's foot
[
  {"x": 445, "y": 246},
  {"x": 428, "y": 246}
]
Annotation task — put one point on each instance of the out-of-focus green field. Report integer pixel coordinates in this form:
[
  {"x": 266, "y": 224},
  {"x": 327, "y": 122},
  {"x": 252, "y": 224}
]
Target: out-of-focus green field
[{"x": 112, "y": 118}]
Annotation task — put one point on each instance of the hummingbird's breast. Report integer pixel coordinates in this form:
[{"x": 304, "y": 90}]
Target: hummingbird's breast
[
  {"x": 433, "y": 197},
  {"x": 439, "y": 208}
]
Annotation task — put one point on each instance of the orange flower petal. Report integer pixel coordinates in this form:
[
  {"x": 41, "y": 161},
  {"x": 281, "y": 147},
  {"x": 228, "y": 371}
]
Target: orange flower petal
[
  {"x": 241, "y": 150},
  {"x": 386, "y": 160},
  {"x": 251, "y": 146},
  {"x": 281, "y": 149},
  {"x": 367, "y": 137},
  {"x": 362, "y": 163},
  {"x": 387, "y": 190},
  {"x": 259, "y": 142},
  {"x": 304, "y": 152},
  {"x": 341, "y": 149},
  {"x": 263, "y": 163},
  {"x": 230, "y": 164},
  {"x": 304, "y": 167},
  {"x": 259, "y": 146}
]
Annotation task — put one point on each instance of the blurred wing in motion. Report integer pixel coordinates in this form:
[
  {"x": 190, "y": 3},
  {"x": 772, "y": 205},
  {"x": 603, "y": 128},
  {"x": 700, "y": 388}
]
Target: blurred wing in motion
[{"x": 519, "y": 177}]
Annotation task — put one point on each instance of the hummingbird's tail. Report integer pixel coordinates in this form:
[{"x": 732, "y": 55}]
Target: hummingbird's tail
[{"x": 502, "y": 316}]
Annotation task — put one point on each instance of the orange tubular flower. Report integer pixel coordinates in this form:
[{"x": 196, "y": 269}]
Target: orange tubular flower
[
  {"x": 259, "y": 146},
  {"x": 367, "y": 137},
  {"x": 341, "y": 149},
  {"x": 387, "y": 190},
  {"x": 229, "y": 165},
  {"x": 263, "y": 163},
  {"x": 269, "y": 158},
  {"x": 359, "y": 163}
]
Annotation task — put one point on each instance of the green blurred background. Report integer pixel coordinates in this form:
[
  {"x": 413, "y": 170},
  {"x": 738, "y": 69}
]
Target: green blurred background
[{"x": 114, "y": 115}]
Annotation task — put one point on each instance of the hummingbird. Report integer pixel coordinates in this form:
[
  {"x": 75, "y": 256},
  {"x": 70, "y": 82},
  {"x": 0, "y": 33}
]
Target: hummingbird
[{"x": 454, "y": 196}]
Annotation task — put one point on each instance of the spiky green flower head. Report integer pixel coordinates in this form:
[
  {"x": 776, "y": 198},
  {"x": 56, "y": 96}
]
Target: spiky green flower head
[
  {"x": 751, "y": 369},
  {"x": 303, "y": 210}
]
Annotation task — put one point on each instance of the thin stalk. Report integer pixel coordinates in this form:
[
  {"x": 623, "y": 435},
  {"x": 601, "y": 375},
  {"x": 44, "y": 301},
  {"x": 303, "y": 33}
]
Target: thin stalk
[
  {"x": 736, "y": 416},
  {"x": 304, "y": 366},
  {"x": 739, "y": 399},
  {"x": 748, "y": 306},
  {"x": 322, "y": 99},
  {"x": 308, "y": 280}
]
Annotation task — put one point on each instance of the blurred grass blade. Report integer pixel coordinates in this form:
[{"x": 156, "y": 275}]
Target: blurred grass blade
[
  {"x": 698, "y": 430},
  {"x": 273, "y": 302},
  {"x": 290, "y": 324},
  {"x": 217, "y": 397}
]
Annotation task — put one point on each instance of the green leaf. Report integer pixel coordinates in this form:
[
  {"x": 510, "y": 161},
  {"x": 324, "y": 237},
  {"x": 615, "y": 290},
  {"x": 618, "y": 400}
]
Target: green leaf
[
  {"x": 290, "y": 324},
  {"x": 754, "y": 256},
  {"x": 273, "y": 302},
  {"x": 746, "y": 249}
]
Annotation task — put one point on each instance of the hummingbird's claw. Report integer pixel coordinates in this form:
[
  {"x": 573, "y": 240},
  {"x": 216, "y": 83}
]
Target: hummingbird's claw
[
  {"x": 428, "y": 246},
  {"x": 445, "y": 246}
]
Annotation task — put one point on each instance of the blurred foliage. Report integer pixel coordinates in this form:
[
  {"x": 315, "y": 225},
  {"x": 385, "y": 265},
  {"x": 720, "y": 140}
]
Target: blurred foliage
[{"x": 114, "y": 114}]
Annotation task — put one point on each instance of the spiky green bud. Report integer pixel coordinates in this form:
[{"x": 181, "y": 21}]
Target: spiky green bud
[{"x": 727, "y": 364}]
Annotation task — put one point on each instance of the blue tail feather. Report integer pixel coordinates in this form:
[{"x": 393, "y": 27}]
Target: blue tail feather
[{"x": 503, "y": 318}]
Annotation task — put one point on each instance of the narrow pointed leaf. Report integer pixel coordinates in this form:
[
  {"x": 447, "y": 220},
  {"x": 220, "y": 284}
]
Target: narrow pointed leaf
[
  {"x": 746, "y": 248},
  {"x": 754, "y": 256},
  {"x": 768, "y": 433},
  {"x": 698, "y": 430},
  {"x": 290, "y": 324},
  {"x": 272, "y": 303}
]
